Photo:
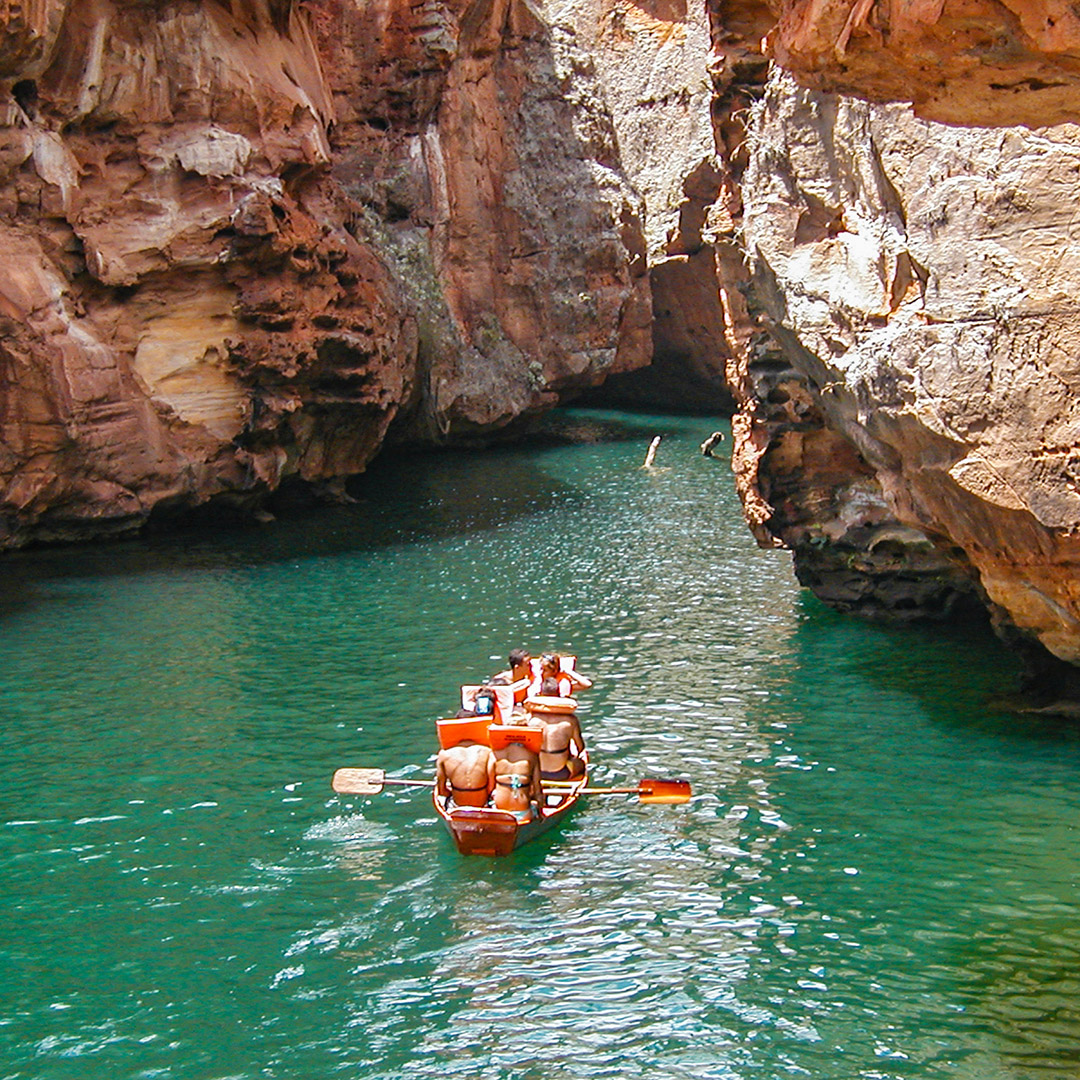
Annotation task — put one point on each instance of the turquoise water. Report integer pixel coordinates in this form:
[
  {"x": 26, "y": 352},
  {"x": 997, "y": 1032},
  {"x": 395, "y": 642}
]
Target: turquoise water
[{"x": 877, "y": 876}]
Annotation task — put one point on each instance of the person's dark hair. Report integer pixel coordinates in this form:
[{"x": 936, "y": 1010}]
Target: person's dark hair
[
  {"x": 518, "y": 656},
  {"x": 550, "y": 687},
  {"x": 549, "y": 660},
  {"x": 484, "y": 703},
  {"x": 499, "y": 680}
]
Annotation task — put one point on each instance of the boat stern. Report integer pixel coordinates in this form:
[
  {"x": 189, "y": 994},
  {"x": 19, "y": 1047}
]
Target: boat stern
[{"x": 482, "y": 831}]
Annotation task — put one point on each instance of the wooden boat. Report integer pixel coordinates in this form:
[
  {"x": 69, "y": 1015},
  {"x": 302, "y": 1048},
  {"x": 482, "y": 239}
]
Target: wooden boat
[{"x": 487, "y": 831}]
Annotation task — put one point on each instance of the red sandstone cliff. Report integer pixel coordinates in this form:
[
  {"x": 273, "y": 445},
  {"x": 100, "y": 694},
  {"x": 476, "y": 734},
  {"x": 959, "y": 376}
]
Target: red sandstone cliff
[
  {"x": 248, "y": 241},
  {"x": 975, "y": 62},
  {"x": 242, "y": 238}
]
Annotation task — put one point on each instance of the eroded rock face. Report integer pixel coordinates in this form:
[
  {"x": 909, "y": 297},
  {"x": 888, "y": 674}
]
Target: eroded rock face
[
  {"x": 486, "y": 152},
  {"x": 958, "y": 61},
  {"x": 161, "y": 167},
  {"x": 652, "y": 60},
  {"x": 921, "y": 399},
  {"x": 186, "y": 315},
  {"x": 904, "y": 360},
  {"x": 243, "y": 237}
]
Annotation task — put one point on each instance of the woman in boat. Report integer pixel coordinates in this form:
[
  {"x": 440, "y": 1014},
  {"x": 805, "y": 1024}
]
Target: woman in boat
[
  {"x": 564, "y": 681},
  {"x": 561, "y": 731},
  {"x": 466, "y": 773},
  {"x": 518, "y": 786}
]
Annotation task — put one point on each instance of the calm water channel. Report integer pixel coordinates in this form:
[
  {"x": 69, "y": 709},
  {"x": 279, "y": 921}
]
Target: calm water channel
[{"x": 877, "y": 877}]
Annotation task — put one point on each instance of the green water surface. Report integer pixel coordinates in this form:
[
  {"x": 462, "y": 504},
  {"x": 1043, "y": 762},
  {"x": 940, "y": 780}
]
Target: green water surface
[{"x": 877, "y": 876}]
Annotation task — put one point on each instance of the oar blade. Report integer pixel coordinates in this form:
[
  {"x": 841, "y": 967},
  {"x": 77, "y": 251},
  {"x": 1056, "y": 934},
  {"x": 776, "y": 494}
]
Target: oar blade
[
  {"x": 664, "y": 792},
  {"x": 358, "y": 781}
]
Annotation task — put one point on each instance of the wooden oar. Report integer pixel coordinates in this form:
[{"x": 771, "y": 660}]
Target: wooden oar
[
  {"x": 369, "y": 781},
  {"x": 648, "y": 790}
]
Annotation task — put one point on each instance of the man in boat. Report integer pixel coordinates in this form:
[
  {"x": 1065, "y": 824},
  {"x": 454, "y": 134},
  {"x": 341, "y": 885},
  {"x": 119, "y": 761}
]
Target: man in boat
[
  {"x": 520, "y": 673},
  {"x": 518, "y": 786},
  {"x": 466, "y": 773},
  {"x": 520, "y": 661},
  {"x": 561, "y": 731}
]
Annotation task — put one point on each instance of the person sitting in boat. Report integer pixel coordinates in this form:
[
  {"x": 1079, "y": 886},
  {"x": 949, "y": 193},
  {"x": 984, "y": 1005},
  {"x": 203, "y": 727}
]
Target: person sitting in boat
[
  {"x": 518, "y": 786},
  {"x": 566, "y": 680},
  {"x": 483, "y": 705},
  {"x": 466, "y": 773},
  {"x": 561, "y": 731},
  {"x": 523, "y": 668}
]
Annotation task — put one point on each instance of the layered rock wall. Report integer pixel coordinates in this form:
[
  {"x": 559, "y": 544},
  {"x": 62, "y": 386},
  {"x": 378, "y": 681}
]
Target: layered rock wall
[
  {"x": 244, "y": 237},
  {"x": 478, "y": 142},
  {"x": 974, "y": 62},
  {"x": 652, "y": 61},
  {"x": 249, "y": 241},
  {"x": 908, "y": 368}
]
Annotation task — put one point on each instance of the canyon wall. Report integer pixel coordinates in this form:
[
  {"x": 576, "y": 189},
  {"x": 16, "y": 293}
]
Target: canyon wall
[
  {"x": 976, "y": 62},
  {"x": 652, "y": 60},
  {"x": 905, "y": 350},
  {"x": 248, "y": 241}
]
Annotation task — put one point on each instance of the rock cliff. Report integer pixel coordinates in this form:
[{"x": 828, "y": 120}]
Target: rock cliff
[
  {"x": 652, "y": 61},
  {"x": 249, "y": 242},
  {"x": 906, "y": 361},
  {"x": 973, "y": 62},
  {"x": 244, "y": 238}
]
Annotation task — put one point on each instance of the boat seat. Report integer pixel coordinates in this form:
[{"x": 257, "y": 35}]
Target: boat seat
[
  {"x": 454, "y": 730},
  {"x": 501, "y": 736}
]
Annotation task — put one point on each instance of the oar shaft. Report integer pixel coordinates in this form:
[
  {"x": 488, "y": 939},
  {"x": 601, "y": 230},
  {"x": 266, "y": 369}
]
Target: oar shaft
[{"x": 650, "y": 790}]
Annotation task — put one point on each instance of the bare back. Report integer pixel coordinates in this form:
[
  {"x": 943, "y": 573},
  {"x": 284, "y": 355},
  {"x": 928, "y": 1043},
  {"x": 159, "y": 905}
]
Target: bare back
[
  {"x": 517, "y": 778},
  {"x": 466, "y": 771},
  {"x": 561, "y": 735}
]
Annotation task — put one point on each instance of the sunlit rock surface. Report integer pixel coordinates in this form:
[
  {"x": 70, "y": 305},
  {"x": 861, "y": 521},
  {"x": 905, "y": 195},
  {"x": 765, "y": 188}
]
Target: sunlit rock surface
[
  {"x": 652, "y": 61},
  {"x": 908, "y": 376},
  {"x": 242, "y": 238}
]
